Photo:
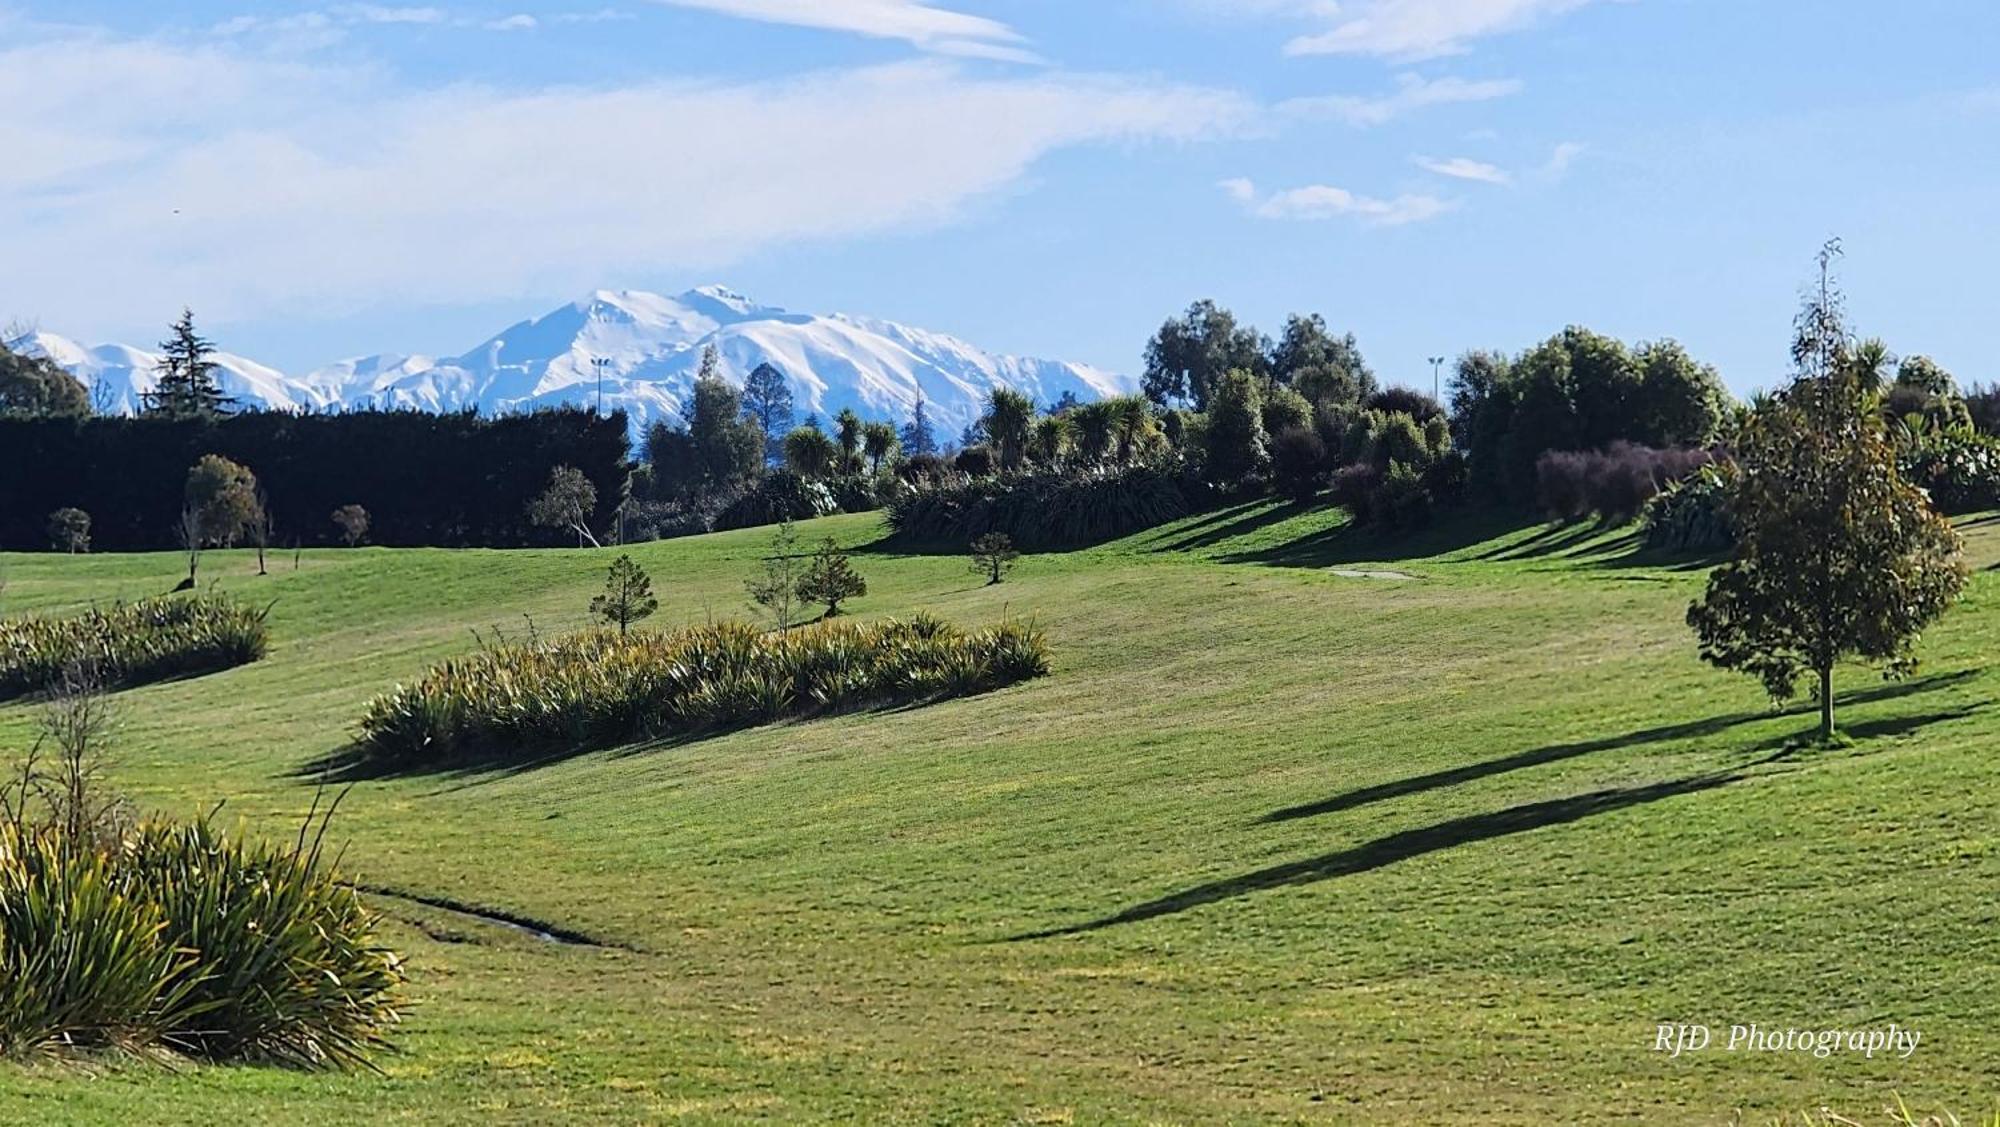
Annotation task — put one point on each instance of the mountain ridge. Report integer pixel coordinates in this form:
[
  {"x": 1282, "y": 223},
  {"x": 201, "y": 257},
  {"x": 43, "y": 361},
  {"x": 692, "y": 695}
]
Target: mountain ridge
[{"x": 651, "y": 346}]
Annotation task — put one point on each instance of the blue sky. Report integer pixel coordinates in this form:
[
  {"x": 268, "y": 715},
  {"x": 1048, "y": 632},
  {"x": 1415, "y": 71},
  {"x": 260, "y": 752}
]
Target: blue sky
[{"x": 1050, "y": 177}]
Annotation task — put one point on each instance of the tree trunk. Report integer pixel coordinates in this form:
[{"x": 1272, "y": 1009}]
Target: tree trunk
[{"x": 1826, "y": 702}]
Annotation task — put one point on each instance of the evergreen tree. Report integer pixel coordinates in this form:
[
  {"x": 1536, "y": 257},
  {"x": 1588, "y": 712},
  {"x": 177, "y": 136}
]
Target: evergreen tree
[
  {"x": 917, "y": 435},
  {"x": 810, "y": 453},
  {"x": 1837, "y": 556},
  {"x": 830, "y": 579},
  {"x": 1010, "y": 418},
  {"x": 186, "y": 387},
  {"x": 993, "y": 555},
  {"x": 224, "y": 498},
  {"x": 767, "y": 398},
  {"x": 69, "y": 530},
  {"x": 847, "y": 430},
  {"x": 628, "y": 595},
  {"x": 1237, "y": 446},
  {"x": 37, "y": 388},
  {"x": 880, "y": 443},
  {"x": 776, "y": 588}
]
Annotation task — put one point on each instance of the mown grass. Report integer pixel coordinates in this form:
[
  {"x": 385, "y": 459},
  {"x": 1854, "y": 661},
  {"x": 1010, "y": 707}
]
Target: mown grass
[{"x": 1271, "y": 843}]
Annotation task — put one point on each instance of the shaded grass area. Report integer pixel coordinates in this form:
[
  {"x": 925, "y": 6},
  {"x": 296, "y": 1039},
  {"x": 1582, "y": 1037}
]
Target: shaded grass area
[{"x": 1356, "y": 851}]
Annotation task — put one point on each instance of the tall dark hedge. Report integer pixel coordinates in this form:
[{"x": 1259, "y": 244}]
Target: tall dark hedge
[{"x": 447, "y": 480}]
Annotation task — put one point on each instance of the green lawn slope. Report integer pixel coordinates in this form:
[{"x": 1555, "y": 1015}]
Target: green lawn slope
[{"x": 1284, "y": 837}]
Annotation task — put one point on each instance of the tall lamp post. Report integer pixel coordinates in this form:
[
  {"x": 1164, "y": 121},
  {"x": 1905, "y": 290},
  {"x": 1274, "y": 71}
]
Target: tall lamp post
[
  {"x": 600, "y": 363},
  {"x": 1437, "y": 362}
]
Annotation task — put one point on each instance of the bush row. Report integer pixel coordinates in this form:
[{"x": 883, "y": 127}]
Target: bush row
[
  {"x": 598, "y": 688},
  {"x": 132, "y": 643},
  {"x": 184, "y": 938},
  {"x": 1041, "y": 510}
]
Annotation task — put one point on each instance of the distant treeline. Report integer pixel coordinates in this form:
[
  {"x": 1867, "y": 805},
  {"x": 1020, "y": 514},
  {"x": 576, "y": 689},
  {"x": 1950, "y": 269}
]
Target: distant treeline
[{"x": 447, "y": 480}]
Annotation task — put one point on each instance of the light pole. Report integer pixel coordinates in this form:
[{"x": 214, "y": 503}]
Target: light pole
[
  {"x": 1436, "y": 363},
  {"x": 600, "y": 363}
]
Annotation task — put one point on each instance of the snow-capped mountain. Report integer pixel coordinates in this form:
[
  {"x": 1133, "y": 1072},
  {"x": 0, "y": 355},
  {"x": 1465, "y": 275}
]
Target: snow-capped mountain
[{"x": 650, "y": 347}]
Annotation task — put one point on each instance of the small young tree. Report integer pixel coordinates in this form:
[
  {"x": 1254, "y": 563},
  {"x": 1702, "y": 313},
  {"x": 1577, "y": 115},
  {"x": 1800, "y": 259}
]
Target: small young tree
[
  {"x": 224, "y": 495},
  {"x": 776, "y": 588},
  {"x": 628, "y": 595},
  {"x": 831, "y": 579},
  {"x": 993, "y": 555},
  {"x": 1836, "y": 556},
  {"x": 188, "y": 533},
  {"x": 567, "y": 503},
  {"x": 352, "y": 521},
  {"x": 69, "y": 530},
  {"x": 258, "y": 528}
]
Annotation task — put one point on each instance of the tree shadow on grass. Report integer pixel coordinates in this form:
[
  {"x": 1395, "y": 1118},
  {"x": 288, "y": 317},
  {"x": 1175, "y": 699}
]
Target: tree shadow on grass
[
  {"x": 1554, "y": 753},
  {"x": 1233, "y": 521},
  {"x": 1351, "y": 543},
  {"x": 1401, "y": 846},
  {"x": 1407, "y": 844}
]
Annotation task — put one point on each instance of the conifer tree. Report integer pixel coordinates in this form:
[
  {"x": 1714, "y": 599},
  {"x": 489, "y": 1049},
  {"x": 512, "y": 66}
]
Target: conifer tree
[
  {"x": 628, "y": 595},
  {"x": 186, "y": 387},
  {"x": 830, "y": 579}
]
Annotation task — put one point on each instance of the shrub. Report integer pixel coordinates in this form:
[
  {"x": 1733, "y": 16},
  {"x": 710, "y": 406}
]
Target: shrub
[
  {"x": 1298, "y": 463},
  {"x": 81, "y": 961},
  {"x": 189, "y": 939},
  {"x": 1614, "y": 483},
  {"x": 1355, "y": 488},
  {"x": 781, "y": 496},
  {"x": 69, "y": 531},
  {"x": 924, "y": 469},
  {"x": 1040, "y": 509},
  {"x": 1692, "y": 515},
  {"x": 352, "y": 521},
  {"x": 132, "y": 643},
  {"x": 974, "y": 461},
  {"x": 597, "y": 689},
  {"x": 285, "y": 967},
  {"x": 1958, "y": 466}
]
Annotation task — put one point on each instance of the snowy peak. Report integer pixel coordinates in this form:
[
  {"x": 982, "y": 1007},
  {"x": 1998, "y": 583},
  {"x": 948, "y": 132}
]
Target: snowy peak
[{"x": 640, "y": 352}]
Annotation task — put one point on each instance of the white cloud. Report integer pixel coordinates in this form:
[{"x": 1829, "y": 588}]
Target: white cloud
[
  {"x": 1321, "y": 201},
  {"x": 1401, "y": 29},
  {"x": 247, "y": 185},
  {"x": 376, "y": 13},
  {"x": 930, "y": 28},
  {"x": 1465, "y": 168},
  {"x": 518, "y": 22},
  {"x": 1559, "y": 161},
  {"x": 1413, "y": 92}
]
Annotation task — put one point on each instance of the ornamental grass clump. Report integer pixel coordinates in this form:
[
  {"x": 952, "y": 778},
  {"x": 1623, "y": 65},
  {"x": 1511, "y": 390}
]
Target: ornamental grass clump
[
  {"x": 132, "y": 643},
  {"x": 598, "y": 689}
]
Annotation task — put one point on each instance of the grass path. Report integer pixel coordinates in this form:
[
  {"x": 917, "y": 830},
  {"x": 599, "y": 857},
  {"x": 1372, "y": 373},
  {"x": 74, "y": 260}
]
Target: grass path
[{"x": 1271, "y": 843}]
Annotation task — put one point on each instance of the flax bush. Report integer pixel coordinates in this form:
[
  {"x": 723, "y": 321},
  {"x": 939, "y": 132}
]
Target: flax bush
[
  {"x": 597, "y": 689},
  {"x": 132, "y": 643}
]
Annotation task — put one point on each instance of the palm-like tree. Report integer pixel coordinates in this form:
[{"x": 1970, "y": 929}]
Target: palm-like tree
[
  {"x": 809, "y": 452},
  {"x": 1009, "y": 416}
]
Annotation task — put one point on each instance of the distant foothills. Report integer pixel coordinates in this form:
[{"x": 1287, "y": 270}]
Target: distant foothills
[{"x": 643, "y": 351}]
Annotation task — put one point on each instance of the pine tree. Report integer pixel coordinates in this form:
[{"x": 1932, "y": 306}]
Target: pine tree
[
  {"x": 831, "y": 579},
  {"x": 628, "y": 595},
  {"x": 992, "y": 555},
  {"x": 917, "y": 435},
  {"x": 776, "y": 590},
  {"x": 186, "y": 387}
]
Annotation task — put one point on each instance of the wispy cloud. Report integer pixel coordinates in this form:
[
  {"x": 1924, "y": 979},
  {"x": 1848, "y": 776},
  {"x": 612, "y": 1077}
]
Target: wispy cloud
[
  {"x": 925, "y": 26},
  {"x": 248, "y": 184},
  {"x": 1561, "y": 159},
  {"x": 1465, "y": 168},
  {"x": 1321, "y": 201},
  {"x": 1423, "y": 29},
  {"x": 376, "y": 13},
  {"x": 520, "y": 21},
  {"x": 1413, "y": 92}
]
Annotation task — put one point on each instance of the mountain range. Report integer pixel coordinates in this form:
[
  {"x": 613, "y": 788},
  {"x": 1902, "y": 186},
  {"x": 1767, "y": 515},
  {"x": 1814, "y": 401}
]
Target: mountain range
[{"x": 651, "y": 348}]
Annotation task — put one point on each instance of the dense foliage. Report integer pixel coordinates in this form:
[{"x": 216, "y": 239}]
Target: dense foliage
[
  {"x": 1692, "y": 514},
  {"x": 182, "y": 937},
  {"x": 1615, "y": 483},
  {"x": 132, "y": 643},
  {"x": 1041, "y": 509},
  {"x": 425, "y": 479},
  {"x": 599, "y": 689}
]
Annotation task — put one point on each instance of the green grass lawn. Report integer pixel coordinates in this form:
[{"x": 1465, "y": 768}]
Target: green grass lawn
[{"x": 1272, "y": 843}]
